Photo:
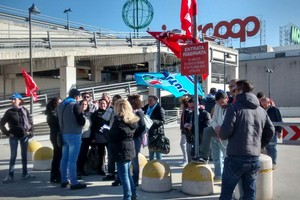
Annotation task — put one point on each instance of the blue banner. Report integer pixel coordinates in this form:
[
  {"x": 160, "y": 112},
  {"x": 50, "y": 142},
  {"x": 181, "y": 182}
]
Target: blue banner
[{"x": 175, "y": 83}]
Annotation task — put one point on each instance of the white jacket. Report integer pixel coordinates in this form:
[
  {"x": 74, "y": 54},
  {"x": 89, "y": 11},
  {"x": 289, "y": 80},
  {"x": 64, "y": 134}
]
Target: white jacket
[{"x": 218, "y": 116}]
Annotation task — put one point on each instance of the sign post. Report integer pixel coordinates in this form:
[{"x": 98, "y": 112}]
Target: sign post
[{"x": 194, "y": 61}]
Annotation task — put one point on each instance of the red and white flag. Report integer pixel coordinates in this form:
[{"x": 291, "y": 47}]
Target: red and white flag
[
  {"x": 31, "y": 86},
  {"x": 188, "y": 11}
]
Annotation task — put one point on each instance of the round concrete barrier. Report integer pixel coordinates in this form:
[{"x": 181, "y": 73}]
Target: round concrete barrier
[
  {"x": 197, "y": 179},
  {"x": 33, "y": 145},
  {"x": 142, "y": 162},
  {"x": 156, "y": 177},
  {"x": 42, "y": 158},
  {"x": 264, "y": 181}
]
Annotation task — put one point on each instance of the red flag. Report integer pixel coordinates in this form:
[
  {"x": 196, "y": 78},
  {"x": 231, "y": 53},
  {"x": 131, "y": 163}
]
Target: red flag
[
  {"x": 31, "y": 87},
  {"x": 188, "y": 11},
  {"x": 173, "y": 40}
]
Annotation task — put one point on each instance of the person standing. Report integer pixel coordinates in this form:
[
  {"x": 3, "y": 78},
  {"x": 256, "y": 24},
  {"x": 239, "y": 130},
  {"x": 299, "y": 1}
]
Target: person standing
[
  {"x": 85, "y": 138},
  {"x": 98, "y": 134},
  {"x": 218, "y": 146},
  {"x": 71, "y": 121},
  {"x": 157, "y": 115},
  {"x": 52, "y": 121},
  {"x": 136, "y": 104},
  {"x": 183, "y": 119},
  {"x": 87, "y": 96},
  {"x": 275, "y": 116},
  {"x": 121, "y": 137},
  {"x": 20, "y": 127},
  {"x": 248, "y": 129}
]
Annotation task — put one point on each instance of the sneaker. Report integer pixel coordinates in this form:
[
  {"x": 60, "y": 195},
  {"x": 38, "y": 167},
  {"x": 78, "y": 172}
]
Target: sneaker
[
  {"x": 116, "y": 183},
  {"x": 199, "y": 160},
  {"x": 108, "y": 178},
  {"x": 78, "y": 186},
  {"x": 8, "y": 179},
  {"x": 28, "y": 176},
  {"x": 183, "y": 164}
]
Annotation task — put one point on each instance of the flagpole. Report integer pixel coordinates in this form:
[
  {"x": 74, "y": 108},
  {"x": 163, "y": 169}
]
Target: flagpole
[{"x": 196, "y": 99}]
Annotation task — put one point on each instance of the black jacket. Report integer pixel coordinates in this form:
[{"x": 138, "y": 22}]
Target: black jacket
[
  {"x": 121, "y": 138},
  {"x": 13, "y": 117},
  {"x": 275, "y": 116},
  {"x": 246, "y": 126},
  {"x": 97, "y": 123},
  {"x": 52, "y": 121},
  {"x": 141, "y": 125},
  {"x": 158, "y": 118}
]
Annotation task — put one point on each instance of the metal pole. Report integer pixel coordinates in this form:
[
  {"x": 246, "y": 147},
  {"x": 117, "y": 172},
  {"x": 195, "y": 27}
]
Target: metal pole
[
  {"x": 269, "y": 84},
  {"x": 68, "y": 22},
  {"x": 158, "y": 64},
  {"x": 224, "y": 72},
  {"x": 30, "y": 62},
  {"x": 196, "y": 117}
]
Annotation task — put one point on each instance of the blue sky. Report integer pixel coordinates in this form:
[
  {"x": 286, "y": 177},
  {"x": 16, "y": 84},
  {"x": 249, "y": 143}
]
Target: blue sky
[{"x": 107, "y": 14}]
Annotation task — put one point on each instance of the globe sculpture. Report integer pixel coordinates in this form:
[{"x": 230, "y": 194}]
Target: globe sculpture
[{"x": 137, "y": 14}]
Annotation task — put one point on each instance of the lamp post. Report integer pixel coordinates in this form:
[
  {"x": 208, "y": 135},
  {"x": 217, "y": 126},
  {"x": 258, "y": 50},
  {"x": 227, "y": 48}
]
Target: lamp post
[
  {"x": 68, "y": 22},
  {"x": 226, "y": 55},
  {"x": 32, "y": 10},
  {"x": 269, "y": 71}
]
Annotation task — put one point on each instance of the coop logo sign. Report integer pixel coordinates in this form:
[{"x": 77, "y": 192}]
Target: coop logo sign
[
  {"x": 295, "y": 34},
  {"x": 241, "y": 31}
]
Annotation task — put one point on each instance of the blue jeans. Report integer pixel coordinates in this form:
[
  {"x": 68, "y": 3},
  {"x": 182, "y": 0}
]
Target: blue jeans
[
  {"x": 70, "y": 152},
  {"x": 157, "y": 155},
  {"x": 126, "y": 179},
  {"x": 218, "y": 149},
  {"x": 13, "y": 143},
  {"x": 240, "y": 167},
  {"x": 271, "y": 148},
  {"x": 135, "y": 160}
]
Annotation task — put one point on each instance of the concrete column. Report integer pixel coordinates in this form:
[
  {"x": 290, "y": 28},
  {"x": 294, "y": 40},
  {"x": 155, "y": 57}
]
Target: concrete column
[
  {"x": 96, "y": 72},
  {"x": 10, "y": 84},
  {"x": 67, "y": 76}
]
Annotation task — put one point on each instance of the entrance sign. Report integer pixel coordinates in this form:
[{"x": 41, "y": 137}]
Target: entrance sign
[
  {"x": 241, "y": 32},
  {"x": 194, "y": 59}
]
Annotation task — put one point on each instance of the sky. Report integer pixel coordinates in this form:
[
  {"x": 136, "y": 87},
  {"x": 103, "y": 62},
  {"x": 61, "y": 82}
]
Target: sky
[{"x": 107, "y": 14}]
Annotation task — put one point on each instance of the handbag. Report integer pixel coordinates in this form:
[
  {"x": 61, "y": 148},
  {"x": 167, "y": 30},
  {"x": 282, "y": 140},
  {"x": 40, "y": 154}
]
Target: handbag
[
  {"x": 160, "y": 143},
  {"x": 148, "y": 122}
]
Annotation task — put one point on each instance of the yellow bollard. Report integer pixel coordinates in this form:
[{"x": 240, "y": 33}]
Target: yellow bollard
[
  {"x": 33, "y": 145},
  {"x": 197, "y": 179},
  {"x": 42, "y": 159},
  {"x": 156, "y": 177}
]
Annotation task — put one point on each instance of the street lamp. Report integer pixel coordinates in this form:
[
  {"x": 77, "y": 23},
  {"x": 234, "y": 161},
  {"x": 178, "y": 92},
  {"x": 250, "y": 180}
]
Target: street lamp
[
  {"x": 68, "y": 22},
  {"x": 269, "y": 71},
  {"x": 226, "y": 55},
  {"x": 32, "y": 10}
]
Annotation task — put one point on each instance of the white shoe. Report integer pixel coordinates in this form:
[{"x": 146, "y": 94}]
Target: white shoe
[{"x": 183, "y": 164}]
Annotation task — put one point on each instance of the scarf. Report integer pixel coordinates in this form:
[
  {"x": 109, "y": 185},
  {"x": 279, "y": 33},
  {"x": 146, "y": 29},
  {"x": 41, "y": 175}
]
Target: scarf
[{"x": 150, "y": 110}]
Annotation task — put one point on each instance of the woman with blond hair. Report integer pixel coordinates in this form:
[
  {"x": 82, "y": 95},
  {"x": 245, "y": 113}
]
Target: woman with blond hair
[{"x": 123, "y": 150}]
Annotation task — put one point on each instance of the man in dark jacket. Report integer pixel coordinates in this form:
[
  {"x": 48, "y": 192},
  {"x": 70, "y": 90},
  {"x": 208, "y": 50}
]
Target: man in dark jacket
[{"x": 248, "y": 129}]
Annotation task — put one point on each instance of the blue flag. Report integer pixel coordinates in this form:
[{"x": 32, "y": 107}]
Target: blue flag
[{"x": 175, "y": 83}]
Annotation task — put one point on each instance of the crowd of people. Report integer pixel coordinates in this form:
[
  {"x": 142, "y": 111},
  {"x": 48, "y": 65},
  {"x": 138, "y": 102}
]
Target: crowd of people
[{"x": 234, "y": 128}]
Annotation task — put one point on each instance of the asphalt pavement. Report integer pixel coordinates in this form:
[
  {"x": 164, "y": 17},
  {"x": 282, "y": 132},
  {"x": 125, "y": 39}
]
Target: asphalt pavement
[{"x": 285, "y": 178}]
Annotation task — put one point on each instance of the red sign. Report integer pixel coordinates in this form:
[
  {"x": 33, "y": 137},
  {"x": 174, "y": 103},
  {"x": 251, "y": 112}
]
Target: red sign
[
  {"x": 241, "y": 29},
  {"x": 194, "y": 59}
]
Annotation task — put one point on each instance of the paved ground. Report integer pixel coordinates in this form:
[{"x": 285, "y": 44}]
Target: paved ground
[{"x": 286, "y": 178}]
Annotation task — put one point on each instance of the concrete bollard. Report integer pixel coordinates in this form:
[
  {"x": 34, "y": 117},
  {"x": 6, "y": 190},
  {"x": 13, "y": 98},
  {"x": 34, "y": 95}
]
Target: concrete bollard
[
  {"x": 264, "y": 181},
  {"x": 197, "y": 179},
  {"x": 142, "y": 162},
  {"x": 42, "y": 159},
  {"x": 33, "y": 145},
  {"x": 156, "y": 177}
]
